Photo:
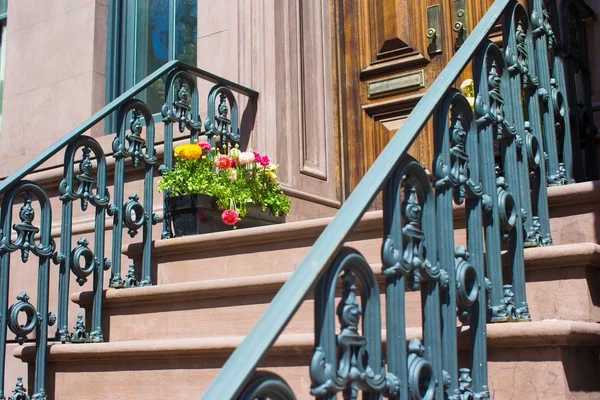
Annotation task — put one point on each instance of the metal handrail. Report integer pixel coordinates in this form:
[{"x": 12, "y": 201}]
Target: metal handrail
[
  {"x": 114, "y": 105},
  {"x": 243, "y": 361}
]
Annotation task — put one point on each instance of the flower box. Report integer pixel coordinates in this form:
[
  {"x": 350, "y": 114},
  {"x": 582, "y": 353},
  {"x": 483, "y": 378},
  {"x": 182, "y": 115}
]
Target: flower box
[
  {"x": 218, "y": 189},
  {"x": 194, "y": 214}
]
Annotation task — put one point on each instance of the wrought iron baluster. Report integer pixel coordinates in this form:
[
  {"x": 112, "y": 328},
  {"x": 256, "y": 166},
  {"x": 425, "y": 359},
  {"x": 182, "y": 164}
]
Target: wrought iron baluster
[
  {"x": 38, "y": 317},
  {"x": 560, "y": 91},
  {"x": 545, "y": 46},
  {"x": 515, "y": 28},
  {"x": 457, "y": 177},
  {"x": 89, "y": 189},
  {"x": 180, "y": 107},
  {"x": 409, "y": 253},
  {"x": 351, "y": 360},
  {"x": 518, "y": 35},
  {"x": 220, "y": 101},
  {"x": 132, "y": 214},
  {"x": 492, "y": 85},
  {"x": 489, "y": 115}
]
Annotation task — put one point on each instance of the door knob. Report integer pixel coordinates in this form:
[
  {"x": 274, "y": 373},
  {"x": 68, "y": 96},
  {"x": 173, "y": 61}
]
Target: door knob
[
  {"x": 460, "y": 22},
  {"x": 433, "y": 32}
]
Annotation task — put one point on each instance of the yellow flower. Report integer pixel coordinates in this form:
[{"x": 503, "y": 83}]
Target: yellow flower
[
  {"x": 188, "y": 151},
  {"x": 468, "y": 88},
  {"x": 271, "y": 167},
  {"x": 272, "y": 177},
  {"x": 177, "y": 151}
]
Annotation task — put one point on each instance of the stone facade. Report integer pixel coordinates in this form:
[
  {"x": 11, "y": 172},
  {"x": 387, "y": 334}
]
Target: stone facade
[{"x": 55, "y": 78}]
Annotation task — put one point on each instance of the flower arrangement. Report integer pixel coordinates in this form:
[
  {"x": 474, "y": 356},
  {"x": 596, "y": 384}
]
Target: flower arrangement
[
  {"x": 235, "y": 178},
  {"x": 468, "y": 90}
]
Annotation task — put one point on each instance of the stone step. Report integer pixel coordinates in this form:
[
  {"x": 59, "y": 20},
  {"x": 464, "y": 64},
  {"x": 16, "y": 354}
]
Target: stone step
[
  {"x": 276, "y": 249},
  {"x": 548, "y": 359},
  {"x": 563, "y": 282}
]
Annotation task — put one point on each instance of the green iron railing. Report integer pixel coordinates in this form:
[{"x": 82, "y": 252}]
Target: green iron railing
[
  {"x": 134, "y": 140},
  {"x": 531, "y": 126}
]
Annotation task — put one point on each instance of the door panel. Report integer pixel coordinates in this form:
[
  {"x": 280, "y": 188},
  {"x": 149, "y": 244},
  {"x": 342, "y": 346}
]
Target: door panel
[{"x": 383, "y": 64}]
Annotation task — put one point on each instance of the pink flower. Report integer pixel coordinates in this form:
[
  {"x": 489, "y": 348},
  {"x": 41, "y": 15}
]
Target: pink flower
[
  {"x": 230, "y": 217},
  {"x": 264, "y": 161},
  {"x": 257, "y": 156},
  {"x": 247, "y": 158},
  {"x": 205, "y": 146},
  {"x": 222, "y": 161}
]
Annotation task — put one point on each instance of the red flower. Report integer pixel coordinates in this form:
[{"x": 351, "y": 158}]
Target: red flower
[
  {"x": 230, "y": 217},
  {"x": 222, "y": 161},
  {"x": 265, "y": 161},
  {"x": 205, "y": 146}
]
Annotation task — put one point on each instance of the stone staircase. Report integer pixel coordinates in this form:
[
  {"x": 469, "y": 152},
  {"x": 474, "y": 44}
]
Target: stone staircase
[{"x": 169, "y": 340}]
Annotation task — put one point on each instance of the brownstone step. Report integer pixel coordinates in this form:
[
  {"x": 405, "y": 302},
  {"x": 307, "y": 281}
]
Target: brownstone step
[
  {"x": 563, "y": 282},
  {"x": 275, "y": 249},
  {"x": 529, "y": 360}
]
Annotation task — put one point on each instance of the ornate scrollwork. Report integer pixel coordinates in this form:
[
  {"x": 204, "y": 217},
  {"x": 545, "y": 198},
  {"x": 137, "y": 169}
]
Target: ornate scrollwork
[
  {"x": 518, "y": 61},
  {"x": 136, "y": 144},
  {"x": 412, "y": 259},
  {"x": 79, "y": 334},
  {"x": 22, "y": 306},
  {"x": 222, "y": 124},
  {"x": 533, "y": 149},
  {"x": 467, "y": 283},
  {"x": 19, "y": 392},
  {"x": 217, "y": 122},
  {"x": 131, "y": 280},
  {"x": 85, "y": 184},
  {"x": 494, "y": 113},
  {"x": 26, "y": 232},
  {"x": 465, "y": 386},
  {"x": 90, "y": 261},
  {"x": 509, "y": 301},
  {"x": 134, "y": 215},
  {"x": 506, "y": 207},
  {"x": 421, "y": 379},
  {"x": 457, "y": 175},
  {"x": 516, "y": 313},
  {"x": 181, "y": 110},
  {"x": 412, "y": 235},
  {"x": 540, "y": 19},
  {"x": 96, "y": 336},
  {"x": 352, "y": 372}
]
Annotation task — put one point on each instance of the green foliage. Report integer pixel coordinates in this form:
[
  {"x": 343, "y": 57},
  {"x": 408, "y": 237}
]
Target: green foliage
[{"x": 234, "y": 187}]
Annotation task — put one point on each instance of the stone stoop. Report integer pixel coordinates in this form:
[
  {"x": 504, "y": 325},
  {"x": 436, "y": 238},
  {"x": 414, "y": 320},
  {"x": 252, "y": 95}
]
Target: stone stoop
[
  {"x": 169, "y": 340},
  {"x": 558, "y": 278},
  {"x": 536, "y": 360},
  {"x": 574, "y": 214}
]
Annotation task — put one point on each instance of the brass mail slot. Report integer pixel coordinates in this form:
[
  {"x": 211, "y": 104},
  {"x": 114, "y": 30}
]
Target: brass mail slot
[{"x": 383, "y": 87}]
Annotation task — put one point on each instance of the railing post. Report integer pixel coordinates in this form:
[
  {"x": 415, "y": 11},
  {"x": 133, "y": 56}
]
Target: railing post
[
  {"x": 545, "y": 45},
  {"x": 457, "y": 179},
  {"x": 38, "y": 318},
  {"x": 486, "y": 111},
  {"x": 81, "y": 187}
]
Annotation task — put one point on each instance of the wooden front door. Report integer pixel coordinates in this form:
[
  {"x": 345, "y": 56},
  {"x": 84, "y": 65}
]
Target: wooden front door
[{"x": 386, "y": 57}]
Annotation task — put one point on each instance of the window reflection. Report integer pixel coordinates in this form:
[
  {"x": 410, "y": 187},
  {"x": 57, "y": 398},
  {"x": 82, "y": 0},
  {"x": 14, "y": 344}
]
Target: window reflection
[{"x": 152, "y": 41}]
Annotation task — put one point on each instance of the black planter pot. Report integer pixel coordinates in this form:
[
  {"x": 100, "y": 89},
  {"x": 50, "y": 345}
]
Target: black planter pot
[{"x": 195, "y": 214}]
